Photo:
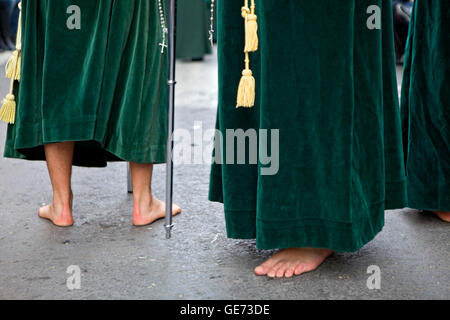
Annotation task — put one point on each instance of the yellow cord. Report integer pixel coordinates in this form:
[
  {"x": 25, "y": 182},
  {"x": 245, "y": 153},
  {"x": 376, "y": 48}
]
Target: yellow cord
[
  {"x": 13, "y": 71},
  {"x": 247, "y": 85}
]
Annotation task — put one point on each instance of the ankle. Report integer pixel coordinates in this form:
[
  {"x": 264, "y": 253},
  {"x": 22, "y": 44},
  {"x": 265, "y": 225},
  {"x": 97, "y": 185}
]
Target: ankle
[
  {"x": 63, "y": 201},
  {"x": 143, "y": 198}
]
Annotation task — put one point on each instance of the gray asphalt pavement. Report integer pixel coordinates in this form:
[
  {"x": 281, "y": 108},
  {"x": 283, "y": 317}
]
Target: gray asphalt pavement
[{"x": 119, "y": 261}]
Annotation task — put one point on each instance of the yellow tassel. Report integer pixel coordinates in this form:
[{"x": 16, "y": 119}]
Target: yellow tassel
[
  {"x": 13, "y": 66},
  {"x": 8, "y": 109},
  {"x": 246, "y": 91},
  {"x": 247, "y": 86},
  {"x": 251, "y": 33}
]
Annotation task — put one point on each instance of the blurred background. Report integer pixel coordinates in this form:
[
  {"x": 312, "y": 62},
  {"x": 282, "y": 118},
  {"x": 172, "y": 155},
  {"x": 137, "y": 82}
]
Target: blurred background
[
  {"x": 9, "y": 13},
  {"x": 402, "y": 16},
  {"x": 194, "y": 23}
]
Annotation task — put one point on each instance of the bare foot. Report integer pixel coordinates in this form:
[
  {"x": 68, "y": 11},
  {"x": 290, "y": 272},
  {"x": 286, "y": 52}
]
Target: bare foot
[
  {"x": 59, "y": 215},
  {"x": 148, "y": 213},
  {"x": 294, "y": 261},
  {"x": 444, "y": 216}
]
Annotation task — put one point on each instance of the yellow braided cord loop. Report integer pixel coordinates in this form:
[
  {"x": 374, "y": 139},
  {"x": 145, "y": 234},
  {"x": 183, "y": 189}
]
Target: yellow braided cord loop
[
  {"x": 247, "y": 85},
  {"x": 13, "y": 65}
]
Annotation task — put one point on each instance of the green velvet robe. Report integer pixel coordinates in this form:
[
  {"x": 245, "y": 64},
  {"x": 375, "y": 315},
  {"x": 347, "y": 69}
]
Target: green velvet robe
[
  {"x": 104, "y": 86},
  {"x": 426, "y": 106},
  {"x": 328, "y": 83},
  {"x": 193, "y": 23}
]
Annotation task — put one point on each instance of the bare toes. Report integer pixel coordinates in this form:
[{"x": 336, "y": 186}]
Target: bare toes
[
  {"x": 176, "y": 209},
  {"x": 444, "y": 216},
  {"x": 264, "y": 268},
  {"x": 274, "y": 270},
  {"x": 261, "y": 270},
  {"x": 299, "y": 269},
  {"x": 289, "y": 272},
  {"x": 282, "y": 270}
]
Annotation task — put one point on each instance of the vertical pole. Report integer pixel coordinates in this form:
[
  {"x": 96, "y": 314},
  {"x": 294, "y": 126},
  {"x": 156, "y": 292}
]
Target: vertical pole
[
  {"x": 129, "y": 182},
  {"x": 171, "y": 116}
]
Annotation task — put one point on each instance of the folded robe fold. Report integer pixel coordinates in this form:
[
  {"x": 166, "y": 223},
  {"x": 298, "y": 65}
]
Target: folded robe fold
[
  {"x": 426, "y": 106},
  {"x": 328, "y": 84},
  {"x": 103, "y": 86}
]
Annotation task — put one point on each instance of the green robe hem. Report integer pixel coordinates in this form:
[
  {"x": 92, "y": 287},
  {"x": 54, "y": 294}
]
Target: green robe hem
[
  {"x": 309, "y": 233},
  {"x": 420, "y": 206},
  {"x": 97, "y": 158},
  {"x": 396, "y": 195},
  {"x": 91, "y": 149}
]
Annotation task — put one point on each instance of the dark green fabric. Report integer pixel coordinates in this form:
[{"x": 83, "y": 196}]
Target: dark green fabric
[
  {"x": 103, "y": 86},
  {"x": 192, "y": 29},
  {"x": 426, "y": 106},
  {"x": 328, "y": 83}
]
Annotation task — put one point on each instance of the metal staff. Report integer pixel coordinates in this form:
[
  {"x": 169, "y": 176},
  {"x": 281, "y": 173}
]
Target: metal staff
[{"x": 170, "y": 144}]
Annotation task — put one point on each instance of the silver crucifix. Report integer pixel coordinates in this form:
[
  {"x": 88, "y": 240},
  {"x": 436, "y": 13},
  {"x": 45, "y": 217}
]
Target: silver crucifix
[{"x": 163, "y": 45}]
